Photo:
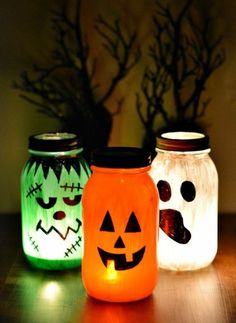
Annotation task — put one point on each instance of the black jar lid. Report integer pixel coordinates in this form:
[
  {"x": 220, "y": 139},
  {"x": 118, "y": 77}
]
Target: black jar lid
[
  {"x": 121, "y": 157},
  {"x": 54, "y": 141},
  {"x": 183, "y": 141}
]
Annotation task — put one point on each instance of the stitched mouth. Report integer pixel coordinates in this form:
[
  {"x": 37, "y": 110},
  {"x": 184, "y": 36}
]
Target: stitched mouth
[
  {"x": 73, "y": 248},
  {"x": 52, "y": 228},
  {"x": 33, "y": 243},
  {"x": 120, "y": 259},
  {"x": 171, "y": 222}
]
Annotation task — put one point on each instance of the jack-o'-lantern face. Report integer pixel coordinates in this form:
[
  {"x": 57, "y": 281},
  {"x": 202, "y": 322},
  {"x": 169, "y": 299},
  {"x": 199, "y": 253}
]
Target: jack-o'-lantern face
[
  {"x": 51, "y": 212},
  {"x": 171, "y": 220},
  {"x": 119, "y": 258},
  {"x": 120, "y": 234}
]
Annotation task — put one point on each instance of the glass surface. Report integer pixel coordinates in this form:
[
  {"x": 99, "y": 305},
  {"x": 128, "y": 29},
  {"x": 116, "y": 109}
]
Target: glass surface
[
  {"x": 51, "y": 192},
  {"x": 188, "y": 187},
  {"x": 120, "y": 222}
]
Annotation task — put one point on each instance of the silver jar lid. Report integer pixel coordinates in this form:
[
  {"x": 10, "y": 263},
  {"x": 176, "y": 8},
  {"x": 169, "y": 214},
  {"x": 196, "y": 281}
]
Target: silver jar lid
[{"x": 183, "y": 141}]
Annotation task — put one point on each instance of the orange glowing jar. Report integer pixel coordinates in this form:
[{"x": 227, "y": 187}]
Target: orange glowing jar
[{"x": 120, "y": 221}]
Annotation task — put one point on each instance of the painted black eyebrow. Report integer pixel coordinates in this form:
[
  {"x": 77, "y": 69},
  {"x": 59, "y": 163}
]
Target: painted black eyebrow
[
  {"x": 34, "y": 189},
  {"x": 71, "y": 187}
]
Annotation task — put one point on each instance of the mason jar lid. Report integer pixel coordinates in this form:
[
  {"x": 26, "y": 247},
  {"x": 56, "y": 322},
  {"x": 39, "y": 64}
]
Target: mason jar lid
[
  {"x": 183, "y": 141},
  {"x": 54, "y": 142},
  {"x": 121, "y": 157}
]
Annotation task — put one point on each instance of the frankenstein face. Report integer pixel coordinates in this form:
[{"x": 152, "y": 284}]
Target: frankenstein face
[{"x": 51, "y": 209}]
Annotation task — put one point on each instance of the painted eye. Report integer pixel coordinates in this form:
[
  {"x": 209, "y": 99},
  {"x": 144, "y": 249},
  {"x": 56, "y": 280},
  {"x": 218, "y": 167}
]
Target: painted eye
[
  {"x": 73, "y": 201},
  {"x": 107, "y": 224},
  {"x": 133, "y": 225},
  {"x": 51, "y": 202},
  {"x": 164, "y": 190},
  {"x": 188, "y": 191}
]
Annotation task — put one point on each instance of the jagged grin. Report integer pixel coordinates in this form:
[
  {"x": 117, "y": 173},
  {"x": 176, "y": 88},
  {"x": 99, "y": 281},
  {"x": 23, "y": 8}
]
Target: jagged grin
[
  {"x": 120, "y": 259},
  {"x": 40, "y": 227}
]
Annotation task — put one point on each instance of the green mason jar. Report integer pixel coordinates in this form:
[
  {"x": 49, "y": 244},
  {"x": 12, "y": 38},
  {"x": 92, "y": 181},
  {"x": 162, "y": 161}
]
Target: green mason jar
[{"x": 52, "y": 183}]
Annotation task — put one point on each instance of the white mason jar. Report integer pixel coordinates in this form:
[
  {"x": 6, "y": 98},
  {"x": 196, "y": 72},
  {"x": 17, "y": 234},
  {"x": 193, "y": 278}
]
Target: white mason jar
[{"x": 187, "y": 181}]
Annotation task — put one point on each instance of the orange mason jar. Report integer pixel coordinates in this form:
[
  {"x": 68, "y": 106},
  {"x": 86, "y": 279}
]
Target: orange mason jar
[{"x": 120, "y": 221}]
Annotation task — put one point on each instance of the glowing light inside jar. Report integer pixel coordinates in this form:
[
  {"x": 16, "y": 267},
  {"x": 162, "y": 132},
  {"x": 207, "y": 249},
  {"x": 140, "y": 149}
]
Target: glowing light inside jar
[
  {"x": 111, "y": 273},
  {"x": 187, "y": 181}
]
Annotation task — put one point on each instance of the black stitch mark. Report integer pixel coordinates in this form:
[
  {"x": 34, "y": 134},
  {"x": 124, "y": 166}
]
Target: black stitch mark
[
  {"x": 36, "y": 247},
  {"x": 71, "y": 187},
  {"x": 33, "y": 190},
  {"x": 73, "y": 247},
  {"x": 39, "y": 226}
]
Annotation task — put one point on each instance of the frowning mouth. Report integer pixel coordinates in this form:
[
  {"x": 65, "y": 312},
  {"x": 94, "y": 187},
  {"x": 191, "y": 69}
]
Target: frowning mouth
[
  {"x": 171, "y": 222},
  {"x": 52, "y": 228},
  {"x": 120, "y": 259}
]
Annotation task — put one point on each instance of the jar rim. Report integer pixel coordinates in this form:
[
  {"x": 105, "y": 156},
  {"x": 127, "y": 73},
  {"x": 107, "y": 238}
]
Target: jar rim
[
  {"x": 111, "y": 170},
  {"x": 121, "y": 157},
  {"x": 183, "y": 141},
  {"x": 54, "y": 142}
]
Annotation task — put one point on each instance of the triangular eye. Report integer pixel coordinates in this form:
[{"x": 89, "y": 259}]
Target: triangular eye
[
  {"x": 133, "y": 225},
  {"x": 107, "y": 224}
]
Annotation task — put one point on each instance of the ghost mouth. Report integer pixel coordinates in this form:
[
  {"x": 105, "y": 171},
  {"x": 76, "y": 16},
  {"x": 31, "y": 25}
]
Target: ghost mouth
[
  {"x": 52, "y": 228},
  {"x": 171, "y": 222},
  {"x": 120, "y": 259}
]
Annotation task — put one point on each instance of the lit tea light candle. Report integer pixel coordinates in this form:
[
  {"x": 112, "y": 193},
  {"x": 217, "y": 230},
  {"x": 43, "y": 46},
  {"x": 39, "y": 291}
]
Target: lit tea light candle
[{"x": 111, "y": 273}]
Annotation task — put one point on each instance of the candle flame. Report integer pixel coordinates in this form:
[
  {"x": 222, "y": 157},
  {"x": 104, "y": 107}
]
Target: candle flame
[{"x": 111, "y": 272}]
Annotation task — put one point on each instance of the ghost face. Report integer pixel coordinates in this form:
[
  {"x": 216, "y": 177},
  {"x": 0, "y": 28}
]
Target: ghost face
[
  {"x": 51, "y": 214},
  {"x": 187, "y": 185},
  {"x": 171, "y": 220}
]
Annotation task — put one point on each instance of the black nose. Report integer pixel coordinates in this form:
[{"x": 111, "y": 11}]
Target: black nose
[
  {"x": 119, "y": 243},
  {"x": 59, "y": 215}
]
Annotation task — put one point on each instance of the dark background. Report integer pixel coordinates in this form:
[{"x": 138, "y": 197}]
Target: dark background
[{"x": 26, "y": 37}]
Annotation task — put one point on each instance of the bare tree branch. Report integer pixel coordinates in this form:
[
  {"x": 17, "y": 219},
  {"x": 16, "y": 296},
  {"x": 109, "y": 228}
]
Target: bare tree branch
[
  {"x": 65, "y": 88},
  {"x": 119, "y": 49},
  {"x": 182, "y": 53}
]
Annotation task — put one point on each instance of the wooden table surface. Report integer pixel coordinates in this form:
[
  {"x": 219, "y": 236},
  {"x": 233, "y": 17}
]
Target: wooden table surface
[{"x": 30, "y": 295}]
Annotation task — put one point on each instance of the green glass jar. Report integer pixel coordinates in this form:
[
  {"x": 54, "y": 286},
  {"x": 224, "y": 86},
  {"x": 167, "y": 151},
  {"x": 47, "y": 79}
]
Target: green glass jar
[{"x": 52, "y": 183}]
